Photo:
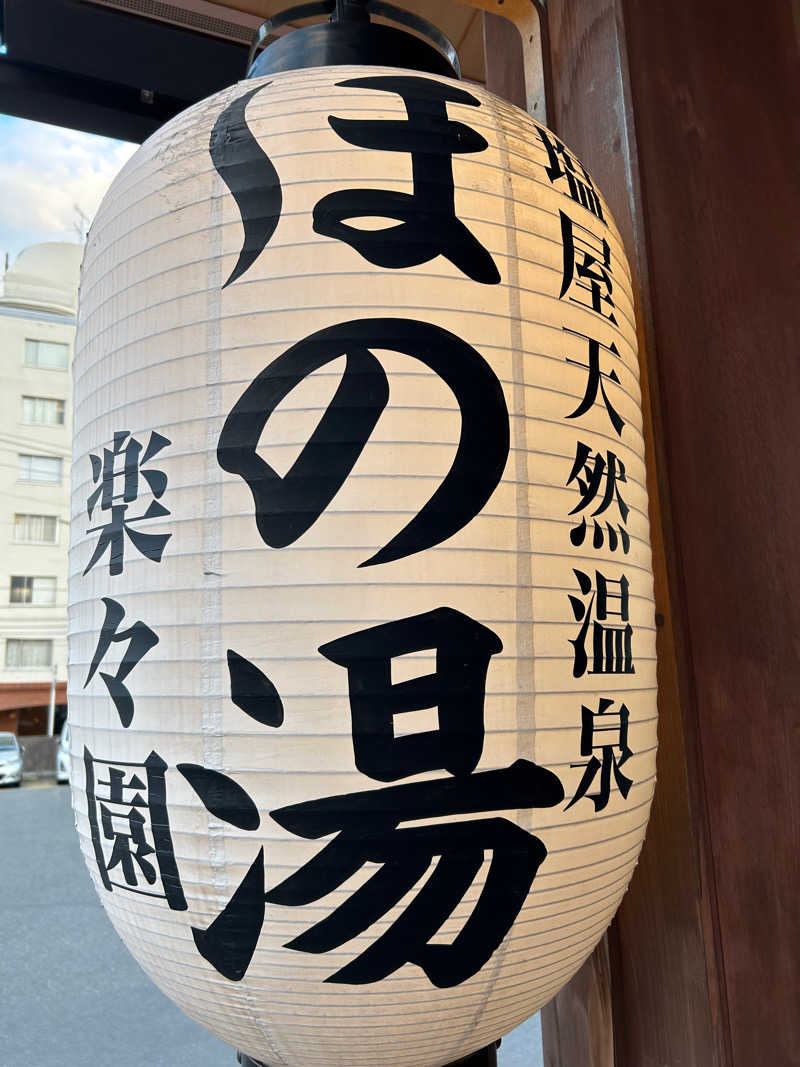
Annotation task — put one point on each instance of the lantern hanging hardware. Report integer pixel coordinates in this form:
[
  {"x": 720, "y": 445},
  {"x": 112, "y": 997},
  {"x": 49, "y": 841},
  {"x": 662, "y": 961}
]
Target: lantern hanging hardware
[
  {"x": 350, "y": 11},
  {"x": 485, "y": 1057},
  {"x": 349, "y": 36}
]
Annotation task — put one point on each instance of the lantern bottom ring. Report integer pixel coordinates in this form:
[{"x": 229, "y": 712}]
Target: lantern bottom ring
[{"x": 486, "y": 1057}]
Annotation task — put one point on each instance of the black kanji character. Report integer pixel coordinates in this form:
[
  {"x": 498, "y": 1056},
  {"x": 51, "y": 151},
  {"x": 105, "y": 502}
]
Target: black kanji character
[
  {"x": 368, "y": 824},
  {"x": 562, "y": 164},
  {"x": 594, "y": 381},
  {"x": 611, "y": 645},
  {"x": 134, "y": 818},
  {"x": 587, "y": 268},
  {"x": 119, "y": 524},
  {"x": 599, "y": 477},
  {"x": 286, "y": 507},
  {"x": 427, "y": 224},
  {"x": 140, "y": 640},
  {"x": 602, "y": 722}
]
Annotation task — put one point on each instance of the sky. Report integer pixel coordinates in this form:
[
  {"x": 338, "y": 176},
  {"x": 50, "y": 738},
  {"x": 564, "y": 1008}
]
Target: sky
[{"x": 45, "y": 171}]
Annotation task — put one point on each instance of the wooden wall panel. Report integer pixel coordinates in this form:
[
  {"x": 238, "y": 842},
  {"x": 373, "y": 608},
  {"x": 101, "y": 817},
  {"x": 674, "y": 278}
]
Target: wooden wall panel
[
  {"x": 503, "y": 59},
  {"x": 662, "y": 1011},
  {"x": 715, "y": 90}
]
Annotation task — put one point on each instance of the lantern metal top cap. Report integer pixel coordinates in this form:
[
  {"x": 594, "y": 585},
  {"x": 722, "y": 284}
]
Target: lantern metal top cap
[{"x": 350, "y": 37}]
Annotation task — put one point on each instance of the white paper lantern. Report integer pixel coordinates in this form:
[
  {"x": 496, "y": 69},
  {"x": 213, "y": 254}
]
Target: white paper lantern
[{"x": 314, "y": 462}]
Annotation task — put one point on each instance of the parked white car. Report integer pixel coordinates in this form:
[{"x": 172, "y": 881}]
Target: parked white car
[
  {"x": 63, "y": 756},
  {"x": 10, "y": 760}
]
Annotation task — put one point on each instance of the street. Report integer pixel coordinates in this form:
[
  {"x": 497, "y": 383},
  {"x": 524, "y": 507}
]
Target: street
[{"x": 72, "y": 995}]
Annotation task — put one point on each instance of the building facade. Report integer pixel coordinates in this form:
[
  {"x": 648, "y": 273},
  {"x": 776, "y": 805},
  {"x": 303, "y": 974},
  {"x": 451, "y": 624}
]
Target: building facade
[{"x": 37, "y": 329}]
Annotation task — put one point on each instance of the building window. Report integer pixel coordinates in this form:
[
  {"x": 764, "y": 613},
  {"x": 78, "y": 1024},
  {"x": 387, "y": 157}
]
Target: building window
[
  {"x": 40, "y": 469},
  {"x": 50, "y": 355},
  {"x": 25, "y": 653},
  {"x": 29, "y": 590},
  {"x": 36, "y": 529},
  {"x": 41, "y": 409}
]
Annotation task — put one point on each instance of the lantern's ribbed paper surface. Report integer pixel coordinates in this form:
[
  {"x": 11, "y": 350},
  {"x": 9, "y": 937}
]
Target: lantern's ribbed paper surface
[{"x": 201, "y": 641}]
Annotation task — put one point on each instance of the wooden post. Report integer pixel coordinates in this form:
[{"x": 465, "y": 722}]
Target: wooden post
[{"x": 687, "y": 118}]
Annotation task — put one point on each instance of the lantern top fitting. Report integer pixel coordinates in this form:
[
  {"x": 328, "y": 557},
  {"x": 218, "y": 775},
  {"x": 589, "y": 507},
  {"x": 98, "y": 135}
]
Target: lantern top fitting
[{"x": 349, "y": 37}]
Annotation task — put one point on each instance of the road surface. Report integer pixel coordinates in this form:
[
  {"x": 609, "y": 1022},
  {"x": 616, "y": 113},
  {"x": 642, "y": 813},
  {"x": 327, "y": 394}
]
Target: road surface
[{"x": 72, "y": 996}]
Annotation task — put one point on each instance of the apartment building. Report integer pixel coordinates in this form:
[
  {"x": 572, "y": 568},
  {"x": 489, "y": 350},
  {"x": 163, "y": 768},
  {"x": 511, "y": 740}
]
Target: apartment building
[{"x": 37, "y": 329}]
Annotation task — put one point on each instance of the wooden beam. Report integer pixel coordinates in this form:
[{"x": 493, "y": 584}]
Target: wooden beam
[
  {"x": 525, "y": 15},
  {"x": 503, "y": 58}
]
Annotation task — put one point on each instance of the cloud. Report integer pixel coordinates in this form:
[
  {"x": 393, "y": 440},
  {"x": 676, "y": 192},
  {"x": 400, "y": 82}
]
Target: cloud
[{"x": 44, "y": 172}]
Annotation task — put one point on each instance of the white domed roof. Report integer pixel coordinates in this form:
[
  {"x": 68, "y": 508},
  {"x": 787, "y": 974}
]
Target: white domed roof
[{"x": 45, "y": 275}]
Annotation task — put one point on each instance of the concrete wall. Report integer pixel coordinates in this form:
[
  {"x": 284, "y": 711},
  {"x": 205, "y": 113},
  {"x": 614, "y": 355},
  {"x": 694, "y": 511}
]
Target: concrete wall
[{"x": 20, "y": 321}]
